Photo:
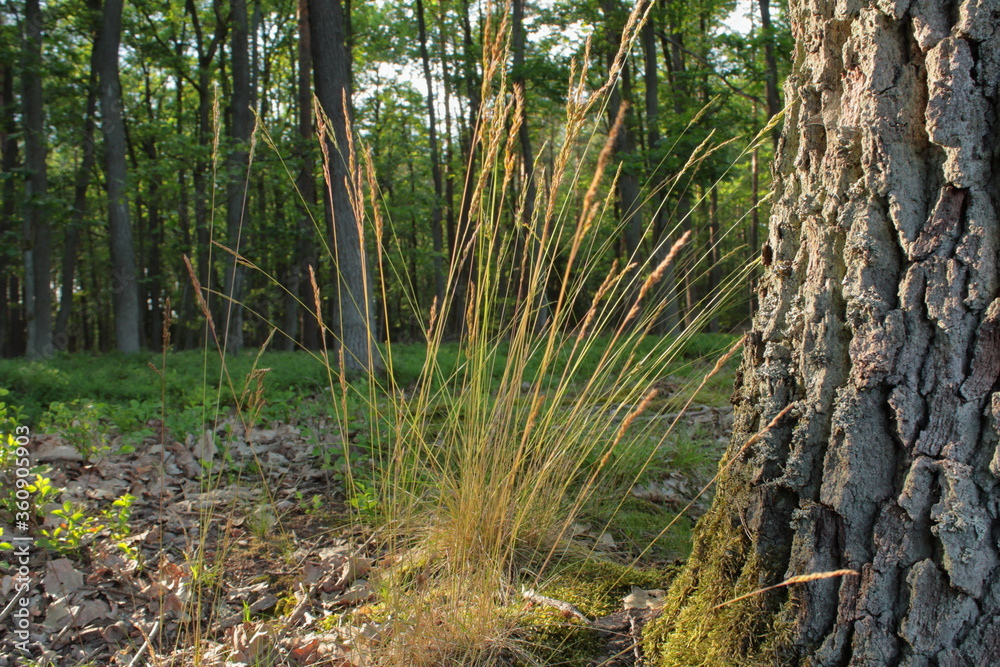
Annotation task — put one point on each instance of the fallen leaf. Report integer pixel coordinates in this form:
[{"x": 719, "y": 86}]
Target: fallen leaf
[
  {"x": 56, "y": 615},
  {"x": 61, "y": 578},
  {"x": 640, "y": 599},
  {"x": 605, "y": 541},
  {"x": 89, "y": 611},
  {"x": 204, "y": 449},
  {"x": 361, "y": 591},
  {"x": 55, "y": 450}
]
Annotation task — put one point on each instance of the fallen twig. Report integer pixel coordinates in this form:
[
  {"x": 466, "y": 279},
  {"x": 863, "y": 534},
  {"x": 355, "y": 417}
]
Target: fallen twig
[
  {"x": 565, "y": 607},
  {"x": 10, "y": 606},
  {"x": 145, "y": 645}
]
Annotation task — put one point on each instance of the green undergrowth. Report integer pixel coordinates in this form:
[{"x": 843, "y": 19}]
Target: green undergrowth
[
  {"x": 120, "y": 393},
  {"x": 635, "y": 523}
]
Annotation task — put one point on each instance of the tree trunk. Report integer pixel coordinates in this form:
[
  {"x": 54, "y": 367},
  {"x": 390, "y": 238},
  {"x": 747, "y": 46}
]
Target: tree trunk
[
  {"x": 449, "y": 153},
  {"x": 673, "y": 57},
  {"x": 10, "y": 315},
  {"x": 124, "y": 286},
  {"x": 879, "y": 328},
  {"x": 72, "y": 241},
  {"x": 629, "y": 196},
  {"x": 463, "y": 254},
  {"x": 305, "y": 183},
  {"x": 37, "y": 264},
  {"x": 183, "y": 339},
  {"x": 354, "y": 319},
  {"x": 714, "y": 256},
  {"x": 665, "y": 290},
  {"x": 532, "y": 225},
  {"x": 770, "y": 65},
  {"x": 200, "y": 176},
  {"x": 437, "y": 234},
  {"x": 237, "y": 212}
]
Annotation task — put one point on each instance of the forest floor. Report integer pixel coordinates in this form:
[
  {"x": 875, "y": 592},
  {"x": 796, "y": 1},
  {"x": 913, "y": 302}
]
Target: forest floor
[{"x": 167, "y": 543}]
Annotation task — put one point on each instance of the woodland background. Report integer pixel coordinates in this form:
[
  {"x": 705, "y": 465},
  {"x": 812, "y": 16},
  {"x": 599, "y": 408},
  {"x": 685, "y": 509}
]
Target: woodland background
[{"x": 706, "y": 70}]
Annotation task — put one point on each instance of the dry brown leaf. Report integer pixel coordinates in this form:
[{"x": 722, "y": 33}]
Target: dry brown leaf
[
  {"x": 89, "y": 611},
  {"x": 57, "y": 615},
  {"x": 641, "y": 599},
  {"x": 61, "y": 578},
  {"x": 360, "y": 592}
]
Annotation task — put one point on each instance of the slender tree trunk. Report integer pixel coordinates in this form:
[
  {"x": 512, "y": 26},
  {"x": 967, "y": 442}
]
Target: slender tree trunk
[
  {"x": 237, "y": 211},
  {"x": 11, "y": 320},
  {"x": 354, "y": 318},
  {"x": 78, "y": 219},
  {"x": 206, "y": 50},
  {"x": 305, "y": 182},
  {"x": 206, "y": 276},
  {"x": 878, "y": 332},
  {"x": 714, "y": 270},
  {"x": 437, "y": 234},
  {"x": 673, "y": 55},
  {"x": 38, "y": 262},
  {"x": 184, "y": 339},
  {"x": 533, "y": 226},
  {"x": 449, "y": 152},
  {"x": 125, "y": 288},
  {"x": 463, "y": 253},
  {"x": 629, "y": 196},
  {"x": 665, "y": 290},
  {"x": 770, "y": 65}
]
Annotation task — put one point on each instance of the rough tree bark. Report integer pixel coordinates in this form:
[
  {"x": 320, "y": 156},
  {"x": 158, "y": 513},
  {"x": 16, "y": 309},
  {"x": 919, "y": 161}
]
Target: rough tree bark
[
  {"x": 880, "y": 326},
  {"x": 124, "y": 283},
  {"x": 354, "y": 318}
]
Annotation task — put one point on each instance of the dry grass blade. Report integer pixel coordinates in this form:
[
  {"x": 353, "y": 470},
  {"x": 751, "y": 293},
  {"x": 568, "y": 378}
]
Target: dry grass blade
[
  {"x": 655, "y": 277},
  {"x": 588, "y": 210},
  {"x": 797, "y": 579},
  {"x": 201, "y": 299}
]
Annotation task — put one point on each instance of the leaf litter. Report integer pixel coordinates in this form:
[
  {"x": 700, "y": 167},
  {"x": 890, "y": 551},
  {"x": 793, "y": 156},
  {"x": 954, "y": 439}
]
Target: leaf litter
[{"x": 193, "y": 582}]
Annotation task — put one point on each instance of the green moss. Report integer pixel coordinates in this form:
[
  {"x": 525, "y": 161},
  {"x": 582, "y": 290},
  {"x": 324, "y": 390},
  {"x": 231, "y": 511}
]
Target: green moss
[
  {"x": 700, "y": 623},
  {"x": 596, "y": 588}
]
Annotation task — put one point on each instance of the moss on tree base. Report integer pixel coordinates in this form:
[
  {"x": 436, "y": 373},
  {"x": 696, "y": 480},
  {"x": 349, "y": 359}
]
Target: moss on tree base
[{"x": 697, "y": 626}]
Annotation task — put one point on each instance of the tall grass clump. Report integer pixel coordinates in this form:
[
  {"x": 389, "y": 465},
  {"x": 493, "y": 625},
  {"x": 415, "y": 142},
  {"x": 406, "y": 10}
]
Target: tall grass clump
[
  {"x": 484, "y": 468},
  {"x": 483, "y": 465}
]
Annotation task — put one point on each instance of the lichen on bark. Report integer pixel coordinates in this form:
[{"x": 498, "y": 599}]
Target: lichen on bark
[{"x": 878, "y": 320}]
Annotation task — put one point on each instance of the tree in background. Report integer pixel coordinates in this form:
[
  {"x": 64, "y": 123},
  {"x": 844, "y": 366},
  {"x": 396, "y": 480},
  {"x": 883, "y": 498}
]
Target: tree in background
[
  {"x": 37, "y": 228},
  {"x": 124, "y": 285},
  {"x": 865, "y": 441},
  {"x": 241, "y": 126},
  {"x": 354, "y": 325},
  {"x": 182, "y": 74}
]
